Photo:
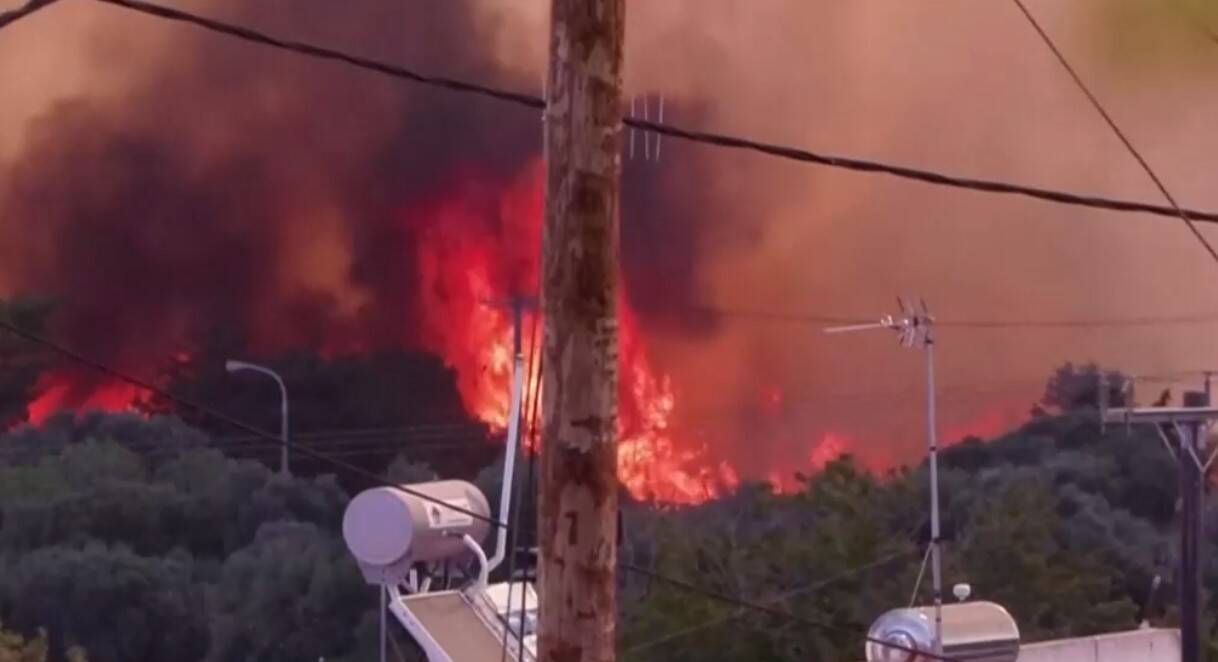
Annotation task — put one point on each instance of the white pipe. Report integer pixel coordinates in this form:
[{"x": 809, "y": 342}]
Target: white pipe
[
  {"x": 483, "y": 570},
  {"x": 509, "y": 462}
]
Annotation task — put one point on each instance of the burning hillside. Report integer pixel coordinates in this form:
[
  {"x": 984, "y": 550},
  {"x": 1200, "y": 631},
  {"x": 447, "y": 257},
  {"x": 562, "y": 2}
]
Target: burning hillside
[
  {"x": 220, "y": 190},
  {"x": 465, "y": 277}
]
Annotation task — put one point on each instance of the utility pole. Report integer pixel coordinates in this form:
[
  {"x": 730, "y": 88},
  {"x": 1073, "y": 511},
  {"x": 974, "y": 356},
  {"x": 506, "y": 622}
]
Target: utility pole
[
  {"x": 1190, "y": 424},
  {"x": 578, "y": 505},
  {"x": 916, "y": 328}
]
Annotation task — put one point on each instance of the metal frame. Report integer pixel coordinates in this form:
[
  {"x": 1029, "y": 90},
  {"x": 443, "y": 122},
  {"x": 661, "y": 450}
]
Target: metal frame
[{"x": 1191, "y": 426}]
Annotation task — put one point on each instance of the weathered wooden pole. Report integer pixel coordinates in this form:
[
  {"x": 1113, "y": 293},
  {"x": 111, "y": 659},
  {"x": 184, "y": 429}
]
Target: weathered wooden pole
[{"x": 578, "y": 505}]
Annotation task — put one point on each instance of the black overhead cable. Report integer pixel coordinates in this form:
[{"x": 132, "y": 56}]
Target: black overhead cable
[
  {"x": 531, "y": 433},
  {"x": 405, "y": 432},
  {"x": 781, "y": 597},
  {"x": 788, "y": 317},
  {"x": 102, "y": 368},
  {"x": 399, "y": 442},
  {"x": 356, "y": 452},
  {"x": 13, "y": 15},
  {"x": 228, "y": 420},
  {"x": 1133, "y": 151},
  {"x": 1082, "y": 323},
  {"x": 705, "y": 137},
  {"x": 518, "y": 491},
  {"x": 1196, "y": 21},
  {"x": 771, "y": 611},
  {"x": 332, "y": 450},
  {"x": 455, "y": 445}
]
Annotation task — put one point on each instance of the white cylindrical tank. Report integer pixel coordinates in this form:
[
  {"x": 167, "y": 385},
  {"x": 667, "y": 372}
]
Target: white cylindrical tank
[
  {"x": 388, "y": 529},
  {"x": 972, "y": 632}
]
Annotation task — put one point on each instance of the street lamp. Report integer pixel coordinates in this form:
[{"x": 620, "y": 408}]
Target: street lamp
[{"x": 236, "y": 366}]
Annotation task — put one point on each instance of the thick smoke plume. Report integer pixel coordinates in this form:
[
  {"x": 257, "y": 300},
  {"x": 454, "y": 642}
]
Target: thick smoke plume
[{"x": 168, "y": 185}]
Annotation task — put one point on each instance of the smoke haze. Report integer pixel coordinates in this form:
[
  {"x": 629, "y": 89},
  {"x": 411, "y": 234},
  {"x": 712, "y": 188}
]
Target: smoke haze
[{"x": 167, "y": 184}]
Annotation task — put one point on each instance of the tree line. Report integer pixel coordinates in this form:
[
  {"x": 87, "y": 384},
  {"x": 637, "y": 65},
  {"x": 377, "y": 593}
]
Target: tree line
[{"x": 154, "y": 536}]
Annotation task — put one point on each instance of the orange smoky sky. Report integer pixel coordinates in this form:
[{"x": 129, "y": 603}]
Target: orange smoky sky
[{"x": 959, "y": 86}]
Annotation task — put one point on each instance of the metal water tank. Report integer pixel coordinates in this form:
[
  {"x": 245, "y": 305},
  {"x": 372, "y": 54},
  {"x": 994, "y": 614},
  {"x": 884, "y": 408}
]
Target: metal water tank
[
  {"x": 388, "y": 529},
  {"x": 972, "y": 632}
]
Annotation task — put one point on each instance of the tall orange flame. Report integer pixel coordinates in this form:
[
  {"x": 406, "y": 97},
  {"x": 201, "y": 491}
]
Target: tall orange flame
[
  {"x": 468, "y": 264},
  {"x": 60, "y": 391}
]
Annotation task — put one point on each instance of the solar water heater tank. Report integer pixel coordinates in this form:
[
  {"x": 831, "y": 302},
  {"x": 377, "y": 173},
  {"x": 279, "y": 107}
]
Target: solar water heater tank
[
  {"x": 387, "y": 529},
  {"x": 972, "y": 632}
]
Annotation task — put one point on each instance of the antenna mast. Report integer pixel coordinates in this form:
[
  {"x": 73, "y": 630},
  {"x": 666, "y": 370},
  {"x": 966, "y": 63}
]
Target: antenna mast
[{"x": 915, "y": 328}]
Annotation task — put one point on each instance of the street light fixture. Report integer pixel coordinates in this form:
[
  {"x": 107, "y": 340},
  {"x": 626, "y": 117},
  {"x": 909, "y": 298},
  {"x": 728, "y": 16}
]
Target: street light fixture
[{"x": 237, "y": 366}]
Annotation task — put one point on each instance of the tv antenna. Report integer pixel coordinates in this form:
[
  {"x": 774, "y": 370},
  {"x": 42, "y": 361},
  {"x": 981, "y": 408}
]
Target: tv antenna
[
  {"x": 641, "y": 107},
  {"x": 915, "y": 329}
]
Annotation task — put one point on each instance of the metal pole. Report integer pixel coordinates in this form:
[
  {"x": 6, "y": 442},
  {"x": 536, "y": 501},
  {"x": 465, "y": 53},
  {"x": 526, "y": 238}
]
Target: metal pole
[
  {"x": 1190, "y": 423},
  {"x": 235, "y": 366},
  {"x": 384, "y": 608},
  {"x": 933, "y": 444},
  {"x": 1191, "y": 497},
  {"x": 1190, "y": 569},
  {"x": 511, "y": 448}
]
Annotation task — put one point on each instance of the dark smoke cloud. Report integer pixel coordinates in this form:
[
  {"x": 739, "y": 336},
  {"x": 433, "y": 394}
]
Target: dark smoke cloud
[
  {"x": 171, "y": 214},
  {"x": 198, "y": 186},
  {"x": 179, "y": 210},
  {"x": 674, "y": 217}
]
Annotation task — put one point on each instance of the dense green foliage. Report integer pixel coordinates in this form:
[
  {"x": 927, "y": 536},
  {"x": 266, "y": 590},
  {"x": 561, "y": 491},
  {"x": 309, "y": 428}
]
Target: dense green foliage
[
  {"x": 1065, "y": 526},
  {"x": 134, "y": 540},
  {"x": 190, "y": 557},
  {"x": 376, "y": 402}
]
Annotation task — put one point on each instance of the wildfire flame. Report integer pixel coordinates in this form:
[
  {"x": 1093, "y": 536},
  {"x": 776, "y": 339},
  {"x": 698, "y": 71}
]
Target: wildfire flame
[
  {"x": 59, "y": 391},
  {"x": 475, "y": 245},
  {"x": 469, "y": 263}
]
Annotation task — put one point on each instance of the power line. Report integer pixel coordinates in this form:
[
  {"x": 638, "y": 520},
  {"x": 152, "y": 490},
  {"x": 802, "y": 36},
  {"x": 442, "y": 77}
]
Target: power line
[
  {"x": 1133, "y": 151},
  {"x": 356, "y": 470},
  {"x": 786, "y": 595},
  {"x": 704, "y": 137},
  {"x": 1209, "y": 318},
  {"x": 335, "y": 446},
  {"x": 1197, "y": 21},
  {"x": 303, "y": 48},
  {"x": 532, "y": 433},
  {"x": 204, "y": 410},
  {"x": 368, "y": 446},
  {"x": 250, "y": 452},
  {"x": 772, "y": 315},
  {"x": 350, "y": 453},
  {"x": 387, "y": 442},
  {"x": 519, "y": 490},
  {"x": 791, "y": 317},
  {"x": 13, "y": 15},
  {"x": 753, "y": 606},
  {"x": 409, "y": 432}
]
